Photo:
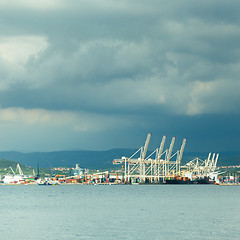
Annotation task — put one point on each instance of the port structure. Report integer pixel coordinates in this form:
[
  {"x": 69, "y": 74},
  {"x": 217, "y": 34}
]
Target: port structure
[
  {"x": 153, "y": 170},
  {"x": 201, "y": 168},
  {"x": 18, "y": 170}
]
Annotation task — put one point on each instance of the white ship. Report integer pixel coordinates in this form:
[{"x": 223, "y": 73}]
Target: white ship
[{"x": 14, "y": 178}]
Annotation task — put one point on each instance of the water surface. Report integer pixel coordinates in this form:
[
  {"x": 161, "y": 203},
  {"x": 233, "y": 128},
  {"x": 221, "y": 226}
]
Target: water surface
[{"x": 120, "y": 212}]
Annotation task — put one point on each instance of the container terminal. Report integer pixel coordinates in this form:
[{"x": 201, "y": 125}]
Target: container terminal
[{"x": 162, "y": 166}]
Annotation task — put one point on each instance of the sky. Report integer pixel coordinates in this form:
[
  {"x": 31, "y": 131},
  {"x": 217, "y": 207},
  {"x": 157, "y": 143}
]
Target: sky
[{"x": 101, "y": 74}]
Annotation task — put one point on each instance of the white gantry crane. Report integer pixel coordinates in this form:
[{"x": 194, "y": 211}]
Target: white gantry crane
[
  {"x": 145, "y": 169},
  {"x": 202, "y": 168}
]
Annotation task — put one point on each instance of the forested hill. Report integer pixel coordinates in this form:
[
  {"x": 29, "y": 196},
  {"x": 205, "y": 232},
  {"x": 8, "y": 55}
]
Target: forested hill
[
  {"x": 98, "y": 159},
  {"x": 4, "y": 167}
]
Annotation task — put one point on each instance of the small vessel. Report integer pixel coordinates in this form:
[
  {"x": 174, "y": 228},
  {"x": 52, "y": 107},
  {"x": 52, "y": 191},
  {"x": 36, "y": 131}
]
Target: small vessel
[{"x": 46, "y": 181}]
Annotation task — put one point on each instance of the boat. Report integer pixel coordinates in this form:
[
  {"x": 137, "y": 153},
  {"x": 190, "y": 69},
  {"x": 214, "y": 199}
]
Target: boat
[
  {"x": 205, "y": 180},
  {"x": 13, "y": 179},
  {"x": 46, "y": 182},
  {"x": 16, "y": 177},
  {"x": 179, "y": 180}
]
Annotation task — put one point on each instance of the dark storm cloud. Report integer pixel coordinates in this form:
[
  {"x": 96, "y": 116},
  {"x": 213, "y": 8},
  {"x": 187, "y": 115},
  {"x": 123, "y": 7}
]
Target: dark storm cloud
[{"x": 150, "y": 62}]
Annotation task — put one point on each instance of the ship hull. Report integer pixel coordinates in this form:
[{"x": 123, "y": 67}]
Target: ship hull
[{"x": 176, "y": 181}]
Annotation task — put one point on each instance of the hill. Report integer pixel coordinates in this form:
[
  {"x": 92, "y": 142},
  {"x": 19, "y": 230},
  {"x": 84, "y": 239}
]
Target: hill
[
  {"x": 98, "y": 159},
  {"x": 4, "y": 167},
  {"x": 86, "y": 159}
]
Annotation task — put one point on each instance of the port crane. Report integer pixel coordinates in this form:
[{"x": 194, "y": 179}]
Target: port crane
[
  {"x": 18, "y": 170},
  {"x": 144, "y": 168},
  {"x": 201, "y": 168}
]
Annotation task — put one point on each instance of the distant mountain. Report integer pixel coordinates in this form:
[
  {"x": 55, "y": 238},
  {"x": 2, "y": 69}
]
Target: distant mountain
[
  {"x": 98, "y": 159},
  {"x": 85, "y": 159}
]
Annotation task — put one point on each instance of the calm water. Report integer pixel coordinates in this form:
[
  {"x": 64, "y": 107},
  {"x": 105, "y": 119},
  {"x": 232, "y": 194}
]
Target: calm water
[{"x": 120, "y": 212}]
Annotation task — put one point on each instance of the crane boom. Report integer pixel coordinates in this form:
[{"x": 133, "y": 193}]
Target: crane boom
[
  {"x": 161, "y": 147},
  {"x": 12, "y": 170},
  {"x": 216, "y": 159},
  {"x": 144, "y": 152},
  {"x": 19, "y": 169},
  {"x": 208, "y": 159},
  {"x": 181, "y": 150},
  {"x": 212, "y": 161},
  {"x": 170, "y": 149}
]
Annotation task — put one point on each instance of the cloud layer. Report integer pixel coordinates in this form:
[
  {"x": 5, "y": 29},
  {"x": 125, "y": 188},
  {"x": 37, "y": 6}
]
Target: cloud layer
[{"x": 103, "y": 68}]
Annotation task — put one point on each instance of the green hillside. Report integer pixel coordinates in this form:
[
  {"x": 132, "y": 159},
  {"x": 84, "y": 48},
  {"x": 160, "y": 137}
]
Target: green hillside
[
  {"x": 4, "y": 167},
  {"x": 27, "y": 170}
]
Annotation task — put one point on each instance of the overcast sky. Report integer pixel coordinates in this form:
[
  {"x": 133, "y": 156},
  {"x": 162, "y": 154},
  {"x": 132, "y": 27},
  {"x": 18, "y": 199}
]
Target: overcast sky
[{"x": 101, "y": 74}]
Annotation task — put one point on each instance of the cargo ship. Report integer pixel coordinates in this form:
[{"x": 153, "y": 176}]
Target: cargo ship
[
  {"x": 13, "y": 179},
  {"x": 179, "y": 180},
  {"x": 205, "y": 180}
]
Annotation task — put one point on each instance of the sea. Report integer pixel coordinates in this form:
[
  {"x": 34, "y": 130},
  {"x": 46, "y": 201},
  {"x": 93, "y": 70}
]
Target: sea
[{"x": 68, "y": 212}]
